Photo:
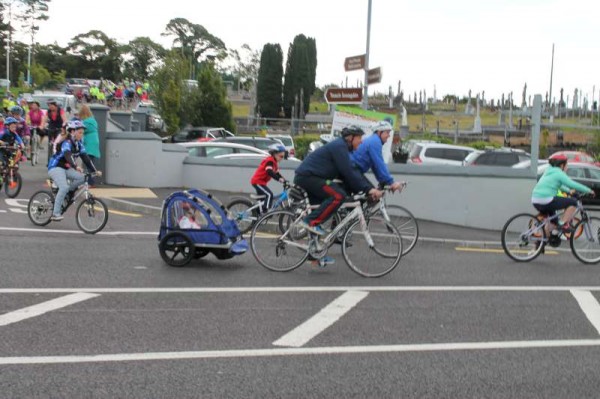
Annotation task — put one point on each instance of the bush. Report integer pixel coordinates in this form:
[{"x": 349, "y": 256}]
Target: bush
[{"x": 301, "y": 144}]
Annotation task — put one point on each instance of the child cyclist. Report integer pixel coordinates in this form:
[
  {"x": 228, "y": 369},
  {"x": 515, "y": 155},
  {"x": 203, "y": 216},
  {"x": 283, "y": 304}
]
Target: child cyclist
[
  {"x": 267, "y": 170},
  {"x": 544, "y": 196}
]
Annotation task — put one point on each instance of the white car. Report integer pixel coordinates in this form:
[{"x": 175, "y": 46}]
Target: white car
[
  {"x": 287, "y": 141},
  {"x": 214, "y": 149},
  {"x": 438, "y": 154}
]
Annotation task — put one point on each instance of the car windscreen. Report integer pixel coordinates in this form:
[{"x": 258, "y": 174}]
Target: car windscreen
[{"x": 287, "y": 141}]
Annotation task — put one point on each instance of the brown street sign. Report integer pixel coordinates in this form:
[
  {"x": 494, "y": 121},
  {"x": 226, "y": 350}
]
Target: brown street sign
[
  {"x": 355, "y": 63},
  {"x": 374, "y": 75},
  {"x": 352, "y": 95}
]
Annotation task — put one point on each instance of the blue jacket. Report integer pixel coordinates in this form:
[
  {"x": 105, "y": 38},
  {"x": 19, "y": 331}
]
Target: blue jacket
[
  {"x": 9, "y": 138},
  {"x": 369, "y": 155},
  {"x": 332, "y": 161}
]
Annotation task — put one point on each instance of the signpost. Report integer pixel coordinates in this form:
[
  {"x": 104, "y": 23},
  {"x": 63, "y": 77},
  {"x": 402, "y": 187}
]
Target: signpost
[
  {"x": 349, "y": 95},
  {"x": 374, "y": 75},
  {"x": 354, "y": 63}
]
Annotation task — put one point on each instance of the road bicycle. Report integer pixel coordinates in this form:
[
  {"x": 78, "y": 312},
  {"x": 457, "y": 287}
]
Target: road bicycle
[
  {"x": 371, "y": 247},
  {"x": 524, "y": 235},
  {"x": 245, "y": 212},
  {"x": 9, "y": 171},
  {"x": 91, "y": 214}
]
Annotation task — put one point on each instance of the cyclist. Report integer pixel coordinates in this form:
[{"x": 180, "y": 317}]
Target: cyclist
[
  {"x": 55, "y": 119},
  {"x": 36, "y": 119},
  {"x": 22, "y": 128},
  {"x": 544, "y": 196},
  {"x": 321, "y": 167},
  {"x": 9, "y": 137},
  {"x": 267, "y": 170},
  {"x": 63, "y": 165},
  {"x": 369, "y": 156}
]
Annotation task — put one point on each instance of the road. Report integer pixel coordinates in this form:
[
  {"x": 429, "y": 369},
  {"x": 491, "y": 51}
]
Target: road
[{"x": 104, "y": 317}]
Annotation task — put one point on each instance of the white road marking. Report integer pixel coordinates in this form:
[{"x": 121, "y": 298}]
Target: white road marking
[
  {"x": 441, "y": 288},
  {"x": 104, "y": 233},
  {"x": 17, "y": 202},
  {"x": 330, "y": 350},
  {"x": 322, "y": 320},
  {"x": 589, "y": 305},
  {"x": 44, "y": 307},
  {"x": 17, "y": 210}
]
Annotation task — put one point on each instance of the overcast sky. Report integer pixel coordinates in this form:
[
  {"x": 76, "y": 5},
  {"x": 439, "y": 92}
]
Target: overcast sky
[{"x": 494, "y": 46}]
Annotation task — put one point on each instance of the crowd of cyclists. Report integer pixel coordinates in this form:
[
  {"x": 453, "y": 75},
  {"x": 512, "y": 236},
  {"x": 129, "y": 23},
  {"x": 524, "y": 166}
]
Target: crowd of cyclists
[{"x": 120, "y": 95}]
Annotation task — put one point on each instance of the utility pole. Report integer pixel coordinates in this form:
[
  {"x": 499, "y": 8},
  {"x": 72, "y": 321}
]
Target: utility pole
[
  {"x": 365, "y": 104},
  {"x": 551, "y": 73}
]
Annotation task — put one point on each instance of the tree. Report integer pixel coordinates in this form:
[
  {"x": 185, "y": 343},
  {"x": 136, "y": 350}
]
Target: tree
[
  {"x": 214, "y": 106},
  {"x": 300, "y": 73},
  {"x": 41, "y": 76},
  {"x": 144, "y": 56},
  {"x": 101, "y": 54},
  {"x": 245, "y": 69},
  {"x": 35, "y": 11},
  {"x": 269, "y": 87},
  {"x": 168, "y": 88},
  {"x": 195, "y": 42}
]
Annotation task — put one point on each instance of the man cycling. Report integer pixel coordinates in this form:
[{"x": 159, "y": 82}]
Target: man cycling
[
  {"x": 369, "y": 155},
  {"x": 317, "y": 172},
  {"x": 63, "y": 165},
  {"x": 544, "y": 196}
]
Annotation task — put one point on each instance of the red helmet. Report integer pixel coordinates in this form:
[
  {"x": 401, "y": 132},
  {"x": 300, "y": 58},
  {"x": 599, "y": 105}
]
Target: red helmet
[{"x": 558, "y": 159}]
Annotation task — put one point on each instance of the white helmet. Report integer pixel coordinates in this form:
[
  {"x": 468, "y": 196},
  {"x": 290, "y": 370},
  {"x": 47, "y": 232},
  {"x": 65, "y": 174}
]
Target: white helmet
[{"x": 382, "y": 126}]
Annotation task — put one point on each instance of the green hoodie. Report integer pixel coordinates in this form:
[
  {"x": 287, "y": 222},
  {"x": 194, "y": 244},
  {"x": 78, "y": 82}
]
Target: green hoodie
[{"x": 553, "y": 179}]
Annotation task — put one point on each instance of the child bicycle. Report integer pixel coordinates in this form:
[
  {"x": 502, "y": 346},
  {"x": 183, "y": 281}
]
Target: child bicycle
[
  {"x": 371, "y": 247},
  {"x": 91, "y": 214},
  {"x": 9, "y": 171},
  {"x": 524, "y": 236}
]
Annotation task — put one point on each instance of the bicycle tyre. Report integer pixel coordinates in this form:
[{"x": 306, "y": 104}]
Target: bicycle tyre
[
  {"x": 40, "y": 206},
  {"x": 35, "y": 140},
  {"x": 590, "y": 230},
  {"x": 516, "y": 246},
  {"x": 238, "y": 209},
  {"x": 176, "y": 249},
  {"x": 347, "y": 246},
  {"x": 407, "y": 226},
  {"x": 267, "y": 227},
  {"x": 12, "y": 192},
  {"x": 91, "y": 208}
]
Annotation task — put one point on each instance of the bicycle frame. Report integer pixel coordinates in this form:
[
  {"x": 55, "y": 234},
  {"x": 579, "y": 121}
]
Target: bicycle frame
[
  {"x": 538, "y": 227},
  {"x": 279, "y": 199}
]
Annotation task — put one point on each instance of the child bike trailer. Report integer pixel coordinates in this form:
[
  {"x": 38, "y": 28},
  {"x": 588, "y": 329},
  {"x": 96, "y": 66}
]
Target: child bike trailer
[{"x": 194, "y": 224}]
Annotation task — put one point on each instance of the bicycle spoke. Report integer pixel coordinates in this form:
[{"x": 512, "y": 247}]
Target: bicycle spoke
[
  {"x": 585, "y": 244},
  {"x": 523, "y": 237}
]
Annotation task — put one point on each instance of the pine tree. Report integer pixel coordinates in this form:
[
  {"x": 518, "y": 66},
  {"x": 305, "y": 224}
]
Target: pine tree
[
  {"x": 269, "y": 87},
  {"x": 300, "y": 74}
]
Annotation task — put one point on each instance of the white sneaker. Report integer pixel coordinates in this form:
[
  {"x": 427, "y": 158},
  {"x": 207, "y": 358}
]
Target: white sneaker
[{"x": 57, "y": 218}]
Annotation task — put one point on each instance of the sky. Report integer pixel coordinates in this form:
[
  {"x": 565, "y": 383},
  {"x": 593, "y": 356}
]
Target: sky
[{"x": 491, "y": 46}]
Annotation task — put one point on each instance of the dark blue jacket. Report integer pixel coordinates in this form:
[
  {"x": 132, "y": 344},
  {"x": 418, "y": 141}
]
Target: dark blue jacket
[{"x": 332, "y": 161}]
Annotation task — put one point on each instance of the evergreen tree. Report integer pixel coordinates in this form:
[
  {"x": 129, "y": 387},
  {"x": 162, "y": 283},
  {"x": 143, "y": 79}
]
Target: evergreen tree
[
  {"x": 300, "y": 74},
  {"x": 270, "y": 74},
  {"x": 215, "y": 108}
]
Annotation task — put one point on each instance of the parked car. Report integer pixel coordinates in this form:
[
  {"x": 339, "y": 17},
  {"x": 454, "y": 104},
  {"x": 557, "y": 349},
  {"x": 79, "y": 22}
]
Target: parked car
[
  {"x": 497, "y": 157},
  {"x": 400, "y": 155},
  {"x": 527, "y": 164},
  {"x": 198, "y": 134},
  {"x": 214, "y": 149},
  {"x": 577, "y": 156},
  {"x": 584, "y": 173},
  {"x": 438, "y": 154},
  {"x": 287, "y": 141},
  {"x": 154, "y": 121},
  {"x": 261, "y": 143}
]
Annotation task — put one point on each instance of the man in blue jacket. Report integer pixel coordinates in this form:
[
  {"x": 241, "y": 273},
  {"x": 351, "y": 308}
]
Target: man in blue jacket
[
  {"x": 369, "y": 155},
  {"x": 317, "y": 172}
]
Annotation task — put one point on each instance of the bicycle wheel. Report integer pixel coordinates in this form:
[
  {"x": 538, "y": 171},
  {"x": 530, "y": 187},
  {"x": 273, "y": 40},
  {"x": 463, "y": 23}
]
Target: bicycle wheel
[
  {"x": 91, "y": 215},
  {"x": 523, "y": 237},
  {"x": 406, "y": 224},
  {"x": 372, "y": 260},
  {"x": 276, "y": 251},
  {"x": 586, "y": 246},
  {"x": 35, "y": 143},
  {"x": 241, "y": 213},
  {"x": 13, "y": 184},
  {"x": 40, "y": 208}
]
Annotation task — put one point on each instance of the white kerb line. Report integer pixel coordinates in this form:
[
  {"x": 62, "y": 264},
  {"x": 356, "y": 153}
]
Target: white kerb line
[
  {"x": 589, "y": 305},
  {"x": 319, "y": 322},
  {"x": 44, "y": 307}
]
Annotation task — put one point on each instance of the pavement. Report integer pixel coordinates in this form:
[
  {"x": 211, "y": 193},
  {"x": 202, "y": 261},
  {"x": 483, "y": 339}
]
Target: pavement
[{"x": 149, "y": 201}]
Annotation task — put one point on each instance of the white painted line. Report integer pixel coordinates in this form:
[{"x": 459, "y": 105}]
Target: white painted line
[
  {"x": 589, "y": 305},
  {"x": 322, "y": 320},
  {"x": 331, "y": 350},
  {"x": 442, "y": 288},
  {"x": 44, "y": 307},
  {"x": 103, "y": 233}
]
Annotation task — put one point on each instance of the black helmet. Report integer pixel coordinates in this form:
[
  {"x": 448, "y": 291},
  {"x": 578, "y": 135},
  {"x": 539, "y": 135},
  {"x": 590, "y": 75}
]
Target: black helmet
[{"x": 352, "y": 131}]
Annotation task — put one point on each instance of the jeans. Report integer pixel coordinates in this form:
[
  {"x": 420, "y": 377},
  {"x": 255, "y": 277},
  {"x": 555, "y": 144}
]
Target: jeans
[{"x": 60, "y": 176}]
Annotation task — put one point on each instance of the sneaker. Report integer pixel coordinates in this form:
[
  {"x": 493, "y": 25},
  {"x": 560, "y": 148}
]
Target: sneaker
[
  {"x": 566, "y": 228},
  {"x": 324, "y": 261},
  {"x": 314, "y": 229},
  {"x": 57, "y": 218}
]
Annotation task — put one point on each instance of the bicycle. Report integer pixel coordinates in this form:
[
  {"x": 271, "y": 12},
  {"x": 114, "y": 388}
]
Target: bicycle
[
  {"x": 9, "y": 171},
  {"x": 524, "y": 236},
  {"x": 91, "y": 213},
  {"x": 35, "y": 146},
  {"x": 278, "y": 236},
  {"x": 245, "y": 212}
]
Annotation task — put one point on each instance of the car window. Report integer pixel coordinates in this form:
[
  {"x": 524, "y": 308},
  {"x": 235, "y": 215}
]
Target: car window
[
  {"x": 524, "y": 157},
  {"x": 196, "y": 134},
  {"x": 287, "y": 141},
  {"x": 415, "y": 151},
  {"x": 245, "y": 151},
  {"x": 485, "y": 159},
  {"x": 455, "y": 154},
  {"x": 594, "y": 173},
  {"x": 507, "y": 159},
  {"x": 576, "y": 172},
  {"x": 196, "y": 151},
  {"x": 435, "y": 153},
  {"x": 571, "y": 156},
  {"x": 212, "y": 152}
]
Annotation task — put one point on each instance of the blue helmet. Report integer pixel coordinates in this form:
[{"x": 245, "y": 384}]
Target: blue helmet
[
  {"x": 74, "y": 125},
  {"x": 16, "y": 110},
  {"x": 275, "y": 148},
  {"x": 10, "y": 120}
]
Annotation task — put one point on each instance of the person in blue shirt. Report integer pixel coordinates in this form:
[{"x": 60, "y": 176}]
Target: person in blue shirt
[
  {"x": 9, "y": 137},
  {"x": 369, "y": 155},
  {"x": 63, "y": 165},
  {"x": 317, "y": 172}
]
